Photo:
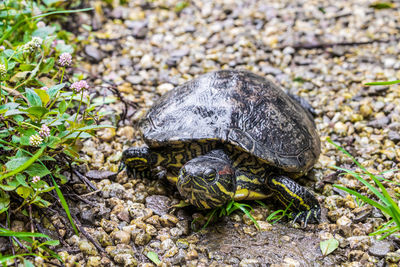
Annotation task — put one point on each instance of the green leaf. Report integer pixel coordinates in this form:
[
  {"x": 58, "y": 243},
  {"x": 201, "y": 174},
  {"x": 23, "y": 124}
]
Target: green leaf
[
  {"x": 27, "y": 67},
  {"x": 20, "y": 76},
  {"x": 33, "y": 97},
  {"x": 6, "y": 259},
  {"x": 25, "y": 165},
  {"x": 47, "y": 65},
  {"x": 21, "y": 179},
  {"x": 6, "y": 232},
  {"x": 37, "y": 169},
  {"x": 65, "y": 206},
  {"x": 13, "y": 112},
  {"x": 62, "y": 107},
  {"x": 181, "y": 6},
  {"x": 153, "y": 257},
  {"x": 23, "y": 192},
  {"x": 381, "y": 5},
  {"x": 64, "y": 48},
  {"x": 16, "y": 162},
  {"x": 52, "y": 91},
  {"x": 328, "y": 246},
  {"x": 44, "y": 97},
  {"x": 94, "y": 127},
  {"x": 43, "y": 32},
  {"x": 41, "y": 203},
  {"x": 25, "y": 136},
  {"x": 38, "y": 112},
  {"x": 4, "y": 201}
]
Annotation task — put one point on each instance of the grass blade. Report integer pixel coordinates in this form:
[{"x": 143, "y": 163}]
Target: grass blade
[
  {"x": 383, "y": 83},
  {"x": 363, "y": 198},
  {"x": 25, "y": 165}
]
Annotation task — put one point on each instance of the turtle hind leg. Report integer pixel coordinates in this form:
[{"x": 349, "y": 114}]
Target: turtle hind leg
[{"x": 304, "y": 205}]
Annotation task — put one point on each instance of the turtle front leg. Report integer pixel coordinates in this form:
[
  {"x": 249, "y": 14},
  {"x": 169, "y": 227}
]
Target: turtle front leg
[
  {"x": 305, "y": 205},
  {"x": 208, "y": 181},
  {"x": 138, "y": 162}
]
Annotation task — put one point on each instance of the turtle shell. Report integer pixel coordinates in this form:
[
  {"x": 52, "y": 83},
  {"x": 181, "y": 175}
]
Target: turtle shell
[{"x": 239, "y": 108}]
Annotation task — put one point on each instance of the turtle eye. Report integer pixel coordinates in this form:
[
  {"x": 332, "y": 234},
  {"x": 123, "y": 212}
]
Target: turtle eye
[{"x": 209, "y": 174}]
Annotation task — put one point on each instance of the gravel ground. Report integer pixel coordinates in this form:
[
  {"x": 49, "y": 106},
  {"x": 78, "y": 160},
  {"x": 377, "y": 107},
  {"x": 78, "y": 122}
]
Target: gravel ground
[{"x": 148, "y": 47}]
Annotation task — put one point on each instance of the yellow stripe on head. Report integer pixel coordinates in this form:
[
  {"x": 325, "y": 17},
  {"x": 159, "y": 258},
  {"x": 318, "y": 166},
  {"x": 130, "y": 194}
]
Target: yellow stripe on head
[{"x": 136, "y": 158}]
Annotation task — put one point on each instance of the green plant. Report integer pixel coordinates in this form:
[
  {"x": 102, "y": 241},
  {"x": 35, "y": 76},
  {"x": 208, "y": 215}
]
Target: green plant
[
  {"x": 280, "y": 214},
  {"x": 35, "y": 248},
  {"x": 388, "y": 205},
  {"x": 42, "y": 115},
  {"x": 227, "y": 210},
  {"x": 383, "y": 83}
]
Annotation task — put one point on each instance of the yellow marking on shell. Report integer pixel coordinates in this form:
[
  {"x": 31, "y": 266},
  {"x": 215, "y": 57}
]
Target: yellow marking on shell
[
  {"x": 245, "y": 194},
  {"x": 136, "y": 158},
  {"x": 291, "y": 193},
  {"x": 239, "y": 159}
]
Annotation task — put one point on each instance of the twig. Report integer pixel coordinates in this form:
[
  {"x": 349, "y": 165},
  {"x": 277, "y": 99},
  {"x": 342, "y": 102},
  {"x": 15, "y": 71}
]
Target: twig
[
  {"x": 85, "y": 180},
  {"x": 31, "y": 220},
  {"x": 90, "y": 193},
  {"x": 87, "y": 235}
]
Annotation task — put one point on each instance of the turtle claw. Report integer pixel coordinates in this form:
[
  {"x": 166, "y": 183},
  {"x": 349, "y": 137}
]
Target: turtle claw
[{"x": 308, "y": 216}]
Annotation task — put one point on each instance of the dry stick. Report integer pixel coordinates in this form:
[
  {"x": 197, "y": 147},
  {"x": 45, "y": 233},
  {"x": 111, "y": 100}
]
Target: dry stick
[
  {"x": 87, "y": 235},
  {"x": 85, "y": 180},
  {"x": 82, "y": 198}
]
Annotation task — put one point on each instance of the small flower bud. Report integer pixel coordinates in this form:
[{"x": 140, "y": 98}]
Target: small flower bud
[
  {"x": 35, "y": 179},
  {"x": 65, "y": 59},
  {"x": 78, "y": 86},
  {"x": 3, "y": 71},
  {"x": 44, "y": 131},
  {"x": 35, "y": 140}
]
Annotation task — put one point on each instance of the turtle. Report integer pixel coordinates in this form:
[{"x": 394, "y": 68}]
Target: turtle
[{"x": 230, "y": 135}]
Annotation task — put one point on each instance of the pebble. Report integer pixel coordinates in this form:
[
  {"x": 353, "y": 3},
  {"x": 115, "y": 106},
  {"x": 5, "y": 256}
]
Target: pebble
[
  {"x": 126, "y": 131},
  {"x": 380, "y": 248},
  {"x": 148, "y": 48},
  {"x": 94, "y": 54},
  {"x": 94, "y": 261},
  {"x": 135, "y": 79},
  {"x": 393, "y": 257},
  {"x": 168, "y": 220},
  {"x": 158, "y": 204},
  {"x": 127, "y": 260},
  {"x": 121, "y": 237},
  {"x": 142, "y": 239},
  {"x": 249, "y": 263},
  {"x": 114, "y": 190},
  {"x": 87, "y": 248}
]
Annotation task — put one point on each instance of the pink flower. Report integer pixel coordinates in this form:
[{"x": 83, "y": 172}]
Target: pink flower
[
  {"x": 2, "y": 48},
  {"x": 45, "y": 88},
  {"x": 35, "y": 179},
  {"x": 44, "y": 131},
  {"x": 78, "y": 86},
  {"x": 65, "y": 59}
]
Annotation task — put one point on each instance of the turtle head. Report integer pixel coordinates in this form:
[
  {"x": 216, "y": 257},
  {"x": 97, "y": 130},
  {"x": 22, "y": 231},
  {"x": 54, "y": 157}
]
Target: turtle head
[
  {"x": 136, "y": 160},
  {"x": 207, "y": 182}
]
